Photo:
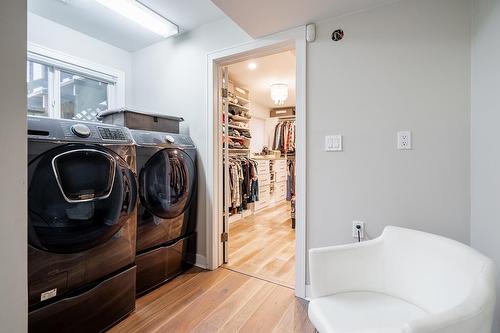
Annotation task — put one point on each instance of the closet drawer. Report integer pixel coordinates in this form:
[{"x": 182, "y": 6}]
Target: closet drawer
[
  {"x": 264, "y": 200},
  {"x": 281, "y": 170},
  {"x": 280, "y": 191},
  {"x": 263, "y": 163},
  {"x": 262, "y": 169},
  {"x": 260, "y": 205},
  {"x": 279, "y": 163},
  {"x": 263, "y": 190},
  {"x": 281, "y": 177},
  {"x": 264, "y": 179}
]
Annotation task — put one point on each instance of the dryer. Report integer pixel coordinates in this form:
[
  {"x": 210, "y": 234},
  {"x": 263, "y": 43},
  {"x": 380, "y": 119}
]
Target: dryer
[
  {"x": 166, "y": 216},
  {"x": 82, "y": 192}
]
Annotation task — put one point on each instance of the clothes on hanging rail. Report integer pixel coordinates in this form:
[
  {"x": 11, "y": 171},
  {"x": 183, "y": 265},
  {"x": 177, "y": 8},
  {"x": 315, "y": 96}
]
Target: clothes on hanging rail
[
  {"x": 243, "y": 183},
  {"x": 284, "y": 136}
]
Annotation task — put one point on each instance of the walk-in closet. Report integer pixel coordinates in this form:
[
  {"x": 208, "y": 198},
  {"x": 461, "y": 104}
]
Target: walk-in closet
[{"x": 258, "y": 130}]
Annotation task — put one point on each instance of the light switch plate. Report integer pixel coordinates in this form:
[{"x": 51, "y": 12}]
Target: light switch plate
[
  {"x": 404, "y": 140},
  {"x": 333, "y": 142}
]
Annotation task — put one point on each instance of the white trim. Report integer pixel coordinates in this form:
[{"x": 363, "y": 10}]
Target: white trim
[
  {"x": 87, "y": 68},
  {"x": 308, "y": 292},
  {"x": 201, "y": 261},
  {"x": 294, "y": 38}
]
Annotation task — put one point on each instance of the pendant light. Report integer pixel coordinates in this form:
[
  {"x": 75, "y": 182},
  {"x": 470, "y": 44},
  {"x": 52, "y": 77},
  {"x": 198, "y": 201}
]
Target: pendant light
[{"x": 279, "y": 93}]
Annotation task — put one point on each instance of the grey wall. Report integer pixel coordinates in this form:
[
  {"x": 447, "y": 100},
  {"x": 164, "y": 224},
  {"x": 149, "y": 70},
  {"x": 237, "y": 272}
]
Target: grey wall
[
  {"x": 485, "y": 119},
  {"x": 58, "y": 37},
  {"x": 171, "y": 77},
  {"x": 403, "y": 66},
  {"x": 13, "y": 207}
]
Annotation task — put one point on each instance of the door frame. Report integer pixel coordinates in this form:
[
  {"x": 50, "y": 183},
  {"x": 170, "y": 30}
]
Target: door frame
[{"x": 291, "y": 39}]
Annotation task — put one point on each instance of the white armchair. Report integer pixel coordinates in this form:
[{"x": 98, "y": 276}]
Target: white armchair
[{"x": 404, "y": 281}]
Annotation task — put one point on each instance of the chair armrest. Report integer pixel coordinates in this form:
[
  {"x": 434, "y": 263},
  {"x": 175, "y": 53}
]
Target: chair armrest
[
  {"x": 461, "y": 319},
  {"x": 343, "y": 268}
]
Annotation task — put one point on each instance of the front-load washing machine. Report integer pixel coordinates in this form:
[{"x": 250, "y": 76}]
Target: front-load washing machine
[
  {"x": 166, "y": 220},
  {"x": 82, "y": 191}
]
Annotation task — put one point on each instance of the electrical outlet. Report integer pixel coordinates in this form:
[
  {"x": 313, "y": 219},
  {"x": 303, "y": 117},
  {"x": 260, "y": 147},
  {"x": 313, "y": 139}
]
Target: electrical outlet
[
  {"x": 358, "y": 225},
  {"x": 404, "y": 140}
]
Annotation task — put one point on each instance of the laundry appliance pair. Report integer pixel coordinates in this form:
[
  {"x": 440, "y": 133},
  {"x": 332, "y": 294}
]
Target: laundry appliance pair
[{"x": 95, "y": 198}]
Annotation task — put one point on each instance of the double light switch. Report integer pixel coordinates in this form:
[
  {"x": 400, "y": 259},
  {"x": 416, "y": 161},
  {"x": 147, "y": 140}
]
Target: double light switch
[{"x": 333, "y": 142}]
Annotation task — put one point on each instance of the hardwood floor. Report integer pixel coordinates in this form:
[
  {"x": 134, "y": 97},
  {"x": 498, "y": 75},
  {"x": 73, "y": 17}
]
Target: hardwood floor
[
  {"x": 218, "y": 301},
  {"x": 263, "y": 246}
]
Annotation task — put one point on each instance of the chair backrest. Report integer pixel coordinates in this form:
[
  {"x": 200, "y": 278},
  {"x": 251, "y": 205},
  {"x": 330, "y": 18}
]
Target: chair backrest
[{"x": 435, "y": 273}]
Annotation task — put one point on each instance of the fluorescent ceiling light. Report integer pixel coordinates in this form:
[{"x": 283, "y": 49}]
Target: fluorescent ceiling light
[{"x": 142, "y": 15}]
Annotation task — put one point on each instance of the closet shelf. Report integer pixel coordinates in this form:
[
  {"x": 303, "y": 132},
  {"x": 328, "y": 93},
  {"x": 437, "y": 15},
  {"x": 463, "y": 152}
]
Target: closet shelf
[
  {"x": 239, "y": 106},
  {"x": 239, "y": 137},
  {"x": 236, "y": 127},
  {"x": 239, "y": 118}
]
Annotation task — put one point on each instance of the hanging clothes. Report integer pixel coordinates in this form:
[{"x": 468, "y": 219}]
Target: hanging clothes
[
  {"x": 243, "y": 183},
  {"x": 284, "y": 136}
]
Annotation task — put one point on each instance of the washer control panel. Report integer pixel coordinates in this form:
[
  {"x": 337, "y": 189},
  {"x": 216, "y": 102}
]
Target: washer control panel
[
  {"x": 81, "y": 130},
  {"x": 116, "y": 134},
  {"x": 42, "y": 128}
]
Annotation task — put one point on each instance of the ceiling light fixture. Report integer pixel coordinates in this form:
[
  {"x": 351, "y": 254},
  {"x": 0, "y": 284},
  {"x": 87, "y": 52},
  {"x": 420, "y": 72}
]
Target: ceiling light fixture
[
  {"x": 142, "y": 15},
  {"x": 279, "y": 93},
  {"x": 252, "y": 66}
]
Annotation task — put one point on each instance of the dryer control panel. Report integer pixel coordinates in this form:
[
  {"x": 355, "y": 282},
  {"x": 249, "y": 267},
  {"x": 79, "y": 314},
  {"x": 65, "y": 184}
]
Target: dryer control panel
[
  {"x": 41, "y": 128},
  {"x": 149, "y": 138}
]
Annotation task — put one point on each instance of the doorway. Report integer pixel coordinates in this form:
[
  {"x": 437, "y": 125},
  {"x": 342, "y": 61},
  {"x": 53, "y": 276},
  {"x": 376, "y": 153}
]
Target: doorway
[
  {"x": 291, "y": 40},
  {"x": 257, "y": 115}
]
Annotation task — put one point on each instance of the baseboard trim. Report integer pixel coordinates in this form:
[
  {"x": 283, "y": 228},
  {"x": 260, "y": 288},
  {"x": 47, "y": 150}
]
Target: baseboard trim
[{"x": 201, "y": 261}]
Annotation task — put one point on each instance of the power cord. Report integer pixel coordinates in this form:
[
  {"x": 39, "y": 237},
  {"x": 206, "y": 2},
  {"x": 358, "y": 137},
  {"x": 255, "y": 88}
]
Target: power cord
[{"x": 359, "y": 233}]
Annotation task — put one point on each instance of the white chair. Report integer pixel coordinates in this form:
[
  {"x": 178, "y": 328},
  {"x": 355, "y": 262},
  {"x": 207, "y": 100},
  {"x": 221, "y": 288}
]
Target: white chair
[{"x": 403, "y": 281}]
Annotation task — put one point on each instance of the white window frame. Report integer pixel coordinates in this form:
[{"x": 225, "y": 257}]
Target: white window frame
[{"x": 59, "y": 61}]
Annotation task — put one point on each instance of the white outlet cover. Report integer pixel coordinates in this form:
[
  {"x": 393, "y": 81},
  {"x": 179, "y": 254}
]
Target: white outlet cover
[
  {"x": 333, "y": 142},
  {"x": 404, "y": 140}
]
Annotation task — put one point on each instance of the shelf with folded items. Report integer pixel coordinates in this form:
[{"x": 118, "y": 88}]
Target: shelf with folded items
[
  {"x": 239, "y": 137},
  {"x": 237, "y": 127},
  {"x": 239, "y": 106},
  {"x": 239, "y": 118}
]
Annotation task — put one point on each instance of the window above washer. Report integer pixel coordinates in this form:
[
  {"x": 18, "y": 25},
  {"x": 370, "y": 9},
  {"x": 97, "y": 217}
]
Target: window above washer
[{"x": 62, "y": 86}]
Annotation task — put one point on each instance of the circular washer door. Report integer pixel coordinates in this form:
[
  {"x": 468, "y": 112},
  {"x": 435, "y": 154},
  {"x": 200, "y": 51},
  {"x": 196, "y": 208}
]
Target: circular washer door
[
  {"x": 79, "y": 196},
  {"x": 166, "y": 183}
]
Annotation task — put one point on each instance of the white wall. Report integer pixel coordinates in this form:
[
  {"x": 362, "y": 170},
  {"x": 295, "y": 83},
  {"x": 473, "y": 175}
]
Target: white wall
[
  {"x": 260, "y": 115},
  {"x": 403, "y": 66},
  {"x": 485, "y": 121},
  {"x": 55, "y": 36},
  {"x": 13, "y": 205},
  {"x": 171, "y": 77}
]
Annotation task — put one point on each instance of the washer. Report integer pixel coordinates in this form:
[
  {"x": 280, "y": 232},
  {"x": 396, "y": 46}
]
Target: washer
[
  {"x": 82, "y": 194},
  {"x": 166, "y": 220}
]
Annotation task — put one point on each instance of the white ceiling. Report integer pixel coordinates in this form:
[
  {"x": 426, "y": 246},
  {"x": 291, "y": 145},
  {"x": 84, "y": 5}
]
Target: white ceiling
[
  {"x": 276, "y": 68},
  {"x": 263, "y": 17},
  {"x": 95, "y": 20}
]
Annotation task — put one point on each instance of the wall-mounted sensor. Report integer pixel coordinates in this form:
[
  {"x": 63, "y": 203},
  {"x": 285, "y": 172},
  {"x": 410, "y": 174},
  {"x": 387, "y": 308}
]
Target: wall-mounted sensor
[
  {"x": 310, "y": 32},
  {"x": 337, "y": 35}
]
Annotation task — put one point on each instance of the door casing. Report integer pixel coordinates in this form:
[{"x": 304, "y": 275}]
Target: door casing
[{"x": 289, "y": 40}]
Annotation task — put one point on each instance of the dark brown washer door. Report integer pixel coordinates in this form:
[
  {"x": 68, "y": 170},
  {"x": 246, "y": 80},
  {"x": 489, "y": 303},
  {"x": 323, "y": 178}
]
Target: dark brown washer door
[
  {"x": 78, "y": 196},
  {"x": 166, "y": 183}
]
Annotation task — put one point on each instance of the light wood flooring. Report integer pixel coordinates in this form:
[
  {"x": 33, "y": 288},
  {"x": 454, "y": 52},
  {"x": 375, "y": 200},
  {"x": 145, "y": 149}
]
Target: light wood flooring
[
  {"x": 218, "y": 301},
  {"x": 263, "y": 246}
]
